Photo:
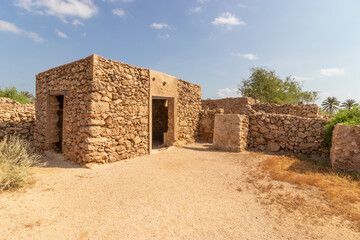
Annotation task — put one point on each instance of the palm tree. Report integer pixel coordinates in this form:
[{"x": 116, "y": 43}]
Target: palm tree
[
  {"x": 349, "y": 104},
  {"x": 330, "y": 104}
]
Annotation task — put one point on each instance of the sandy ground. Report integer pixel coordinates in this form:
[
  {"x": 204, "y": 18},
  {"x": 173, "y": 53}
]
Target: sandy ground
[{"x": 183, "y": 193}]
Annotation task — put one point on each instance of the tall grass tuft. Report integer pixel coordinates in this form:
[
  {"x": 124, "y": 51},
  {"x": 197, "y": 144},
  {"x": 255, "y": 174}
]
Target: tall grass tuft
[{"x": 16, "y": 157}]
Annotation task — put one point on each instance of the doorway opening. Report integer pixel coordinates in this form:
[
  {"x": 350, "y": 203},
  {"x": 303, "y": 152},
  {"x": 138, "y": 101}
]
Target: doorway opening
[
  {"x": 54, "y": 128},
  {"x": 159, "y": 122}
]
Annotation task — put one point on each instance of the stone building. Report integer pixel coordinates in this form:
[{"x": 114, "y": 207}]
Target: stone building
[{"x": 99, "y": 110}]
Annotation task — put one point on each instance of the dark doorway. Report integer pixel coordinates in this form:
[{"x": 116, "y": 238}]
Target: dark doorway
[
  {"x": 54, "y": 126},
  {"x": 159, "y": 122},
  {"x": 60, "y": 121}
]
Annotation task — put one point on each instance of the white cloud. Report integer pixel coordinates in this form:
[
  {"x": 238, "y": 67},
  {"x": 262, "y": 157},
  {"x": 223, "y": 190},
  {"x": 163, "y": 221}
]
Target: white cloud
[
  {"x": 61, "y": 34},
  {"x": 228, "y": 20},
  {"x": 12, "y": 28},
  {"x": 164, "y": 36},
  {"x": 77, "y": 22},
  {"x": 160, "y": 26},
  {"x": 248, "y": 56},
  {"x": 227, "y": 92},
  {"x": 329, "y": 72},
  {"x": 202, "y": 1},
  {"x": 120, "y": 12},
  {"x": 9, "y": 27},
  {"x": 241, "y": 5},
  {"x": 128, "y": 1},
  {"x": 61, "y": 8},
  {"x": 195, "y": 10}
]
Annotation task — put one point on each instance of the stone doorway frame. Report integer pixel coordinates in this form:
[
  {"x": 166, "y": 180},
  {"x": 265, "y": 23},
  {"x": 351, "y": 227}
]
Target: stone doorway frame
[{"x": 169, "y": 136}]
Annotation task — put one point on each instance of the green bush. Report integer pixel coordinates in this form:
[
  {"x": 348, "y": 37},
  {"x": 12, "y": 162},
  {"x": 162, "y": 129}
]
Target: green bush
[
  {"x": 349, "y": 117},
  {"x": 14, "y": 94},
  {"x": 16, "y": 157}
]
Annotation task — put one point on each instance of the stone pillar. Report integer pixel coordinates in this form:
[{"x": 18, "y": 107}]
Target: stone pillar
[
  {"x": 230, "y": 132},
  {"x": 345, "y": 150}
]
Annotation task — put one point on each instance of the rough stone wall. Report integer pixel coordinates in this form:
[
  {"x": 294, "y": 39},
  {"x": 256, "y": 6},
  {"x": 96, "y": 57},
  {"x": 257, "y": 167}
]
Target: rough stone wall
[
  {"x": 245, "y": 105},
  {"x": 120, "y": 118},
  {"x": 188, "y": 110},
  {"x": 230, "y": 132},
  {"x": 275, "y": 132},
  {"x": 345, "y": 150},
  {"x": 301, "y": 110},
  {"x": 16, "y": 118},
  {"x": 240, "y": 105},
  {"x": 206, "y": 123},
  {"x": 74, "y": 80}
]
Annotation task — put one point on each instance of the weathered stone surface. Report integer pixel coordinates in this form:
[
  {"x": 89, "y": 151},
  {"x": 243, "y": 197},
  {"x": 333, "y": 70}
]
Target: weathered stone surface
[
  {"x": 345, "y": 150},
  {"x": 282, "y": 132},
  {"x": 16, "y": 119},
  {"x": 230, "y": 132},
  {"x": 245, "y": 105}
]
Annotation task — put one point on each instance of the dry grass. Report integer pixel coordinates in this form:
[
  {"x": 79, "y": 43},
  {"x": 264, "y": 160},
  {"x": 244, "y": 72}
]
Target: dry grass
[
  {"x": 341, "y": 192},
  {"x": 16, "y": 157}
]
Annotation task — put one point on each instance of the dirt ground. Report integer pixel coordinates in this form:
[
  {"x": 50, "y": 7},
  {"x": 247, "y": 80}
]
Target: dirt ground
[{"x": 183, "y": 193}]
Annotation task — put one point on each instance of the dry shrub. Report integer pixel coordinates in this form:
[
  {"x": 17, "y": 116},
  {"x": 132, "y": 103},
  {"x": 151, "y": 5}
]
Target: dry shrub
[
  {"x": 16, "y": 157},
  {"x": 341, "y": 191}
]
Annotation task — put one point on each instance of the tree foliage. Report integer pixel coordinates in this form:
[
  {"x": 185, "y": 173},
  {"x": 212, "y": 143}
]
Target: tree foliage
[
  {"x": 330, "y": 104},
  {"x": 344, "y": 116},
  {"x": 349, "y": 104},
  {"x": 265, "y": 86},
  {"x": 21, "y": 97}
]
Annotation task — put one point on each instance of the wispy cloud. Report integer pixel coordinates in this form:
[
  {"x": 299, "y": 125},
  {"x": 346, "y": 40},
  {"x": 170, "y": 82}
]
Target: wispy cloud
[
  {"x": 227, "y": 92},
  {"x": 195, "y": 10},
  {"x": 202, "y": 1},
  {"x": 160, "y": 26},
  {"x": 119, "y": 12},
  {"x": 329, "y": 72},
  {"x": 12, "y": 28},
  {"x": 61, "y": 34},
  {"x": 227, "y": 20},
  {"x": 60, "y": 8},
  {"x": 248, "y": 56},
  {"x": 76, "y": 22},
  {"x": 241, "y": 5}
]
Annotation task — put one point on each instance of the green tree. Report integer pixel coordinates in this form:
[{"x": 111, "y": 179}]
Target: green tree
[
  {"x": 265, "y": 86},
  {"x": 349, "y": 104},
  {"x": 330, "y": 104},
  {"x": 14, "y": 94},
  {"x": 344, "y": 116}
]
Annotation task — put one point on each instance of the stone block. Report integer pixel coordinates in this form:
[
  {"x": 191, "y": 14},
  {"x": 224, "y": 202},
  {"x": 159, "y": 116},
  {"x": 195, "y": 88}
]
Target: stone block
[
  {"x": 345, "y": 150},
  {"x": 230, "y": 132}
]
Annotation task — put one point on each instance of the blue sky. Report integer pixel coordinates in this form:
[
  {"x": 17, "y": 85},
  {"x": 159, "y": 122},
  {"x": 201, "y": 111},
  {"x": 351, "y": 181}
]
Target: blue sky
[{"x": 213, "y": 43}]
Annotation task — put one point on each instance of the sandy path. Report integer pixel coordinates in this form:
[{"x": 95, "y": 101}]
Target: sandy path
[{"x": 187, "y": 193}]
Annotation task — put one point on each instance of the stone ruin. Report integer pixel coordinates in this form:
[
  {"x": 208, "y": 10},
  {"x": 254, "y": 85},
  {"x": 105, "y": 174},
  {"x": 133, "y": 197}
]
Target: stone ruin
[
  {"x": 99, "y": 110},
  {"x": 263, "y": 126}
]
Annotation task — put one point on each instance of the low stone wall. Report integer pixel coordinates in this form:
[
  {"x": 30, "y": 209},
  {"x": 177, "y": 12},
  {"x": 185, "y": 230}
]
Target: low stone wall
[
  {"x": 230, "y": 132},
  {"x": 301, "y": 110},
  {"x": 206, "y": 124},
  {"x": 276, "y": 132},
  {"x": 345, "y": 151},
  {"x": 245, "y": 105},
  {"x": 240, "y": 105},
  {"x": 16, "y": 118}
]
